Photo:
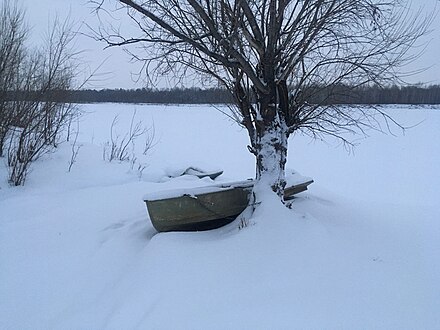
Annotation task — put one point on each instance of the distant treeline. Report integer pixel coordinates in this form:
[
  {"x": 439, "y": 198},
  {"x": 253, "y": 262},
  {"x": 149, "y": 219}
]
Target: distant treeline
[
  {"x": 335, "y": 95},
  {"x": 376, "y": 95},
  {"x": 172, "y": 96}
]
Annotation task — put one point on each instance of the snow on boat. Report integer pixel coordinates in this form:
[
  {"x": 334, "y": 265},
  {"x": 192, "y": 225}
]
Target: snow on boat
[
  {"x": 195, "y": 171},
  {"x": 205, "y": 207},
  {"x": 201, "y": 173}
]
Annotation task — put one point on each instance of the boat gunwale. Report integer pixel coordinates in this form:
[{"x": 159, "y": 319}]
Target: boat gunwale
[{"x": 199, "y": 190}]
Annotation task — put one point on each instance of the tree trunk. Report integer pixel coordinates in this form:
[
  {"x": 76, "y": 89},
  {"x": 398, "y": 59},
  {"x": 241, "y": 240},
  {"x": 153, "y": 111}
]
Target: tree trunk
[{"x": 271, "y": 154}]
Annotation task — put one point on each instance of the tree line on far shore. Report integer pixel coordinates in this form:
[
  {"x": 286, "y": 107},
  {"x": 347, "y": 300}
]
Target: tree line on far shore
[{"x": 337, "y": 95}]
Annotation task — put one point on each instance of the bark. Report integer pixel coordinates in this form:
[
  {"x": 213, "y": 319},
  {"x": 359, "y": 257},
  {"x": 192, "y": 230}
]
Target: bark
[
  {"x": 271, "y": 156},
  {"x": 268, "y": 131}
]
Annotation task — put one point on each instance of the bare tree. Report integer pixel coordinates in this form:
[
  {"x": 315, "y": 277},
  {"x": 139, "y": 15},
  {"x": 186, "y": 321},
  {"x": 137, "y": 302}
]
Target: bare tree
[
  {"x": 32, "y": 113},
  {"x": 274, "y": 56},
  {"x": 13, "y": 33}
]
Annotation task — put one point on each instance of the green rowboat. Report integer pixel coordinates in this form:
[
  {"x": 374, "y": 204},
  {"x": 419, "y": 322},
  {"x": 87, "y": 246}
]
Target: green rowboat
[{"x": 206, "y": 207}]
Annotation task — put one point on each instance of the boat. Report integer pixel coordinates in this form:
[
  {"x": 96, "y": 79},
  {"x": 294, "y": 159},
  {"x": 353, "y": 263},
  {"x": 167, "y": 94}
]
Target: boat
[{"x": 205, "y": 208}]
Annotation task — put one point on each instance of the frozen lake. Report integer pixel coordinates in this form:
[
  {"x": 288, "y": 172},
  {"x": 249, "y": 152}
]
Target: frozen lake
[{"x": 360, "y": 249}]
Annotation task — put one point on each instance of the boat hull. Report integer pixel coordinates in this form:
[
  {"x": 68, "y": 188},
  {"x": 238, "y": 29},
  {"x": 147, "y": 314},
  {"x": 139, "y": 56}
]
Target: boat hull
[
  {"x": 198, "y": 212},
  {"x": 206, "y": 210}
]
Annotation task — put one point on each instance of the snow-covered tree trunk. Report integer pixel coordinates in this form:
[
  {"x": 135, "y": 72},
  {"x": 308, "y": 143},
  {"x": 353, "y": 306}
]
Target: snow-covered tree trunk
[{"x": 271, "y": 155}]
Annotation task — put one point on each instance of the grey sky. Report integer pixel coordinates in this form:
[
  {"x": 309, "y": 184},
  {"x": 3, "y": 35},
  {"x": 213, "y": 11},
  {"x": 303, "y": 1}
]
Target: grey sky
[{"x": 119, "y": 72}]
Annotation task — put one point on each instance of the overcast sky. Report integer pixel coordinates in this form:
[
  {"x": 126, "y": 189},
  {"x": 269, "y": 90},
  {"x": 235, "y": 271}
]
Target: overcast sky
[{"x": 117, "y": 72}]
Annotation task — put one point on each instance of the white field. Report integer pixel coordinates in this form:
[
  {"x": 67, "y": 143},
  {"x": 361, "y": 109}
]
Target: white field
[{"x": 359, "y": 250}]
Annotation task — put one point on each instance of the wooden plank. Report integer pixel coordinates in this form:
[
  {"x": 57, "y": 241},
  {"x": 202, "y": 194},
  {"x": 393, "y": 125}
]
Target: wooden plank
[{"x": 296, "y": 189}]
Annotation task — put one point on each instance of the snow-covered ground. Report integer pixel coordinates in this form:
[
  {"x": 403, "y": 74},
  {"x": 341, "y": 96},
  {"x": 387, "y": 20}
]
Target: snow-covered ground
[{"x": 359, "y": 250}]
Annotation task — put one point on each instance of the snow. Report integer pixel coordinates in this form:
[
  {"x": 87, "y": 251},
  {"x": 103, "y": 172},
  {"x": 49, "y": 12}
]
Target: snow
[
  {"x": 292, "y": 178},
  {"x": 174, "y": 193},
  {"x": 359, "y": 249}
]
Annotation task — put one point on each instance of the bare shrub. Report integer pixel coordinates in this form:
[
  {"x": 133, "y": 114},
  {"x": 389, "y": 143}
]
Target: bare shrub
[
  {"x": 33, "y": 83},
  {"x": 121, "y": 147},
  {"x": 150, "y": 139},
  {"x": 75, "y": 147},
  {"x": 13, "y": 33},
  {"x": 26, "y": 146}
]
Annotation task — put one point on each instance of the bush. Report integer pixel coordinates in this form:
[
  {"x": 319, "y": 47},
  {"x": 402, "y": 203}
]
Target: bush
[{"x": 32, "y": 120}]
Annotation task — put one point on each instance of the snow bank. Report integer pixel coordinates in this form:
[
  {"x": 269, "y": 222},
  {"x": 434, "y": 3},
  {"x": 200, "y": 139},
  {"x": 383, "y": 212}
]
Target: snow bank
[{"x": 358, "y": 250}]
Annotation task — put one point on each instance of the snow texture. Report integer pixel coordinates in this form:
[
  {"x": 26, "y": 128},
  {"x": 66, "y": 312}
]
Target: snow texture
[{"x": 359, "y": 250}]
